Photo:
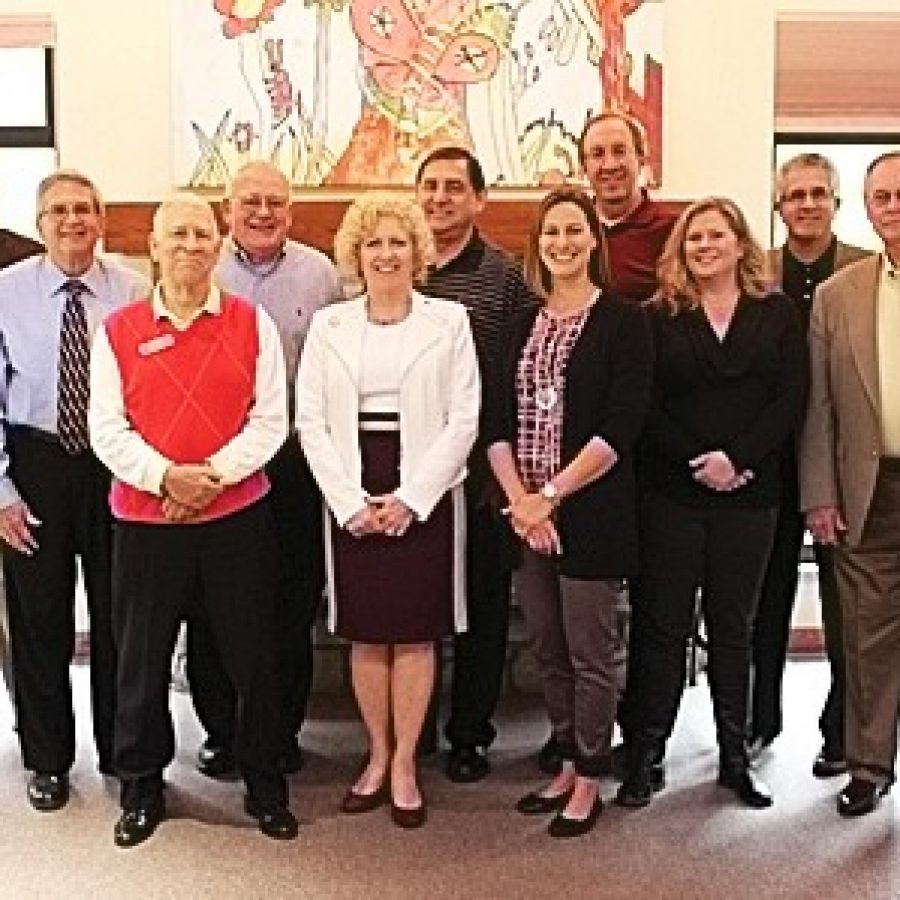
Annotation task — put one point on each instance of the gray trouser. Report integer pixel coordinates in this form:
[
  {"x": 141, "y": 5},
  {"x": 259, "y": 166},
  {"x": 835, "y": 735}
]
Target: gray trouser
[{"x": 572, "y": 632}]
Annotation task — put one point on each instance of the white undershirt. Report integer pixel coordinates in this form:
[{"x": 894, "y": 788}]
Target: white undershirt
[{"x": 381, "y": 367}]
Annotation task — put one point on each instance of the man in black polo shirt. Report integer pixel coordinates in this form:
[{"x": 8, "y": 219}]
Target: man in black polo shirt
[
  {"x": 450, "y": 188},
  {"x": 807, "y": 200}
]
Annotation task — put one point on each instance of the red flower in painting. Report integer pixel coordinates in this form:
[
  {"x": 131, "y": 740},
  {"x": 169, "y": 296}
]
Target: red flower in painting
[{"x": 244, "y": 15}]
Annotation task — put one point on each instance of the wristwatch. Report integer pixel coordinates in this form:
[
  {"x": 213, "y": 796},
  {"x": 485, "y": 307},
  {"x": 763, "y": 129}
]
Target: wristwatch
[{"x": 550, "y": 493}]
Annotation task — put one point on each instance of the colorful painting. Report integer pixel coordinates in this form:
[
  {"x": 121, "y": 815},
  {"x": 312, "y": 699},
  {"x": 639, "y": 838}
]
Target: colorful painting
[{"x": 350, "y": 92}]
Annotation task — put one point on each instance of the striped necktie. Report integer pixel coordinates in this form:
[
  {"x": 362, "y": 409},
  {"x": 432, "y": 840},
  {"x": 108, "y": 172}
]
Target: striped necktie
[{"x": 72, "y": 400}]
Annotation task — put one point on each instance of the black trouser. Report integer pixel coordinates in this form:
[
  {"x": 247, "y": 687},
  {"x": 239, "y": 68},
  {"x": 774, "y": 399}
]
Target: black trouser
[
  {"x": 722, "y": 553},
  {"x": 297, "y": 508},
  {"x": 69, "y": 494},
  {"x": 772, "y": 628},
  {"x": 479, "y": 654},
  {"x": 160, "y": 572}
]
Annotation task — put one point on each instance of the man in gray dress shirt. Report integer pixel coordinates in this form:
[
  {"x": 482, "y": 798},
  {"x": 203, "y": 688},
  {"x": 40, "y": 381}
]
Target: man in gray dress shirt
[
  {"x": 290, "y": 281},
  {"x": 53, "y": 490}
]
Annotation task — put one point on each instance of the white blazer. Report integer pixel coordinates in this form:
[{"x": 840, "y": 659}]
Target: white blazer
[{"x": 439, "y": 403}]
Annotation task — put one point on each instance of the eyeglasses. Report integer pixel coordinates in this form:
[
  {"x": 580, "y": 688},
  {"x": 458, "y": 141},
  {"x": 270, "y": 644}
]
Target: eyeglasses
[
  {"x": 882, "y": 198},
  {"x": 77, "y": 210},
  {"x": 801, "y": 195},
  {"x": 255, "y": 202}
]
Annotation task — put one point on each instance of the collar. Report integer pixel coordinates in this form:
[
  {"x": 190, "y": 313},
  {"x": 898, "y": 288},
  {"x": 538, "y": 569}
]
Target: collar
[
  {"x": 242, "y": 258},
  {"x": 52, "y": 278},
  {"x": 822, "y": 266},
  {"x": 467, "y": 259},
  {"x": 211, "y": 306},
  {"x": 638, "y": 214}
]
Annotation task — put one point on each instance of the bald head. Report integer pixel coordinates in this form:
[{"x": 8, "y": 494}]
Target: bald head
[{"x": 258, "y": 210}]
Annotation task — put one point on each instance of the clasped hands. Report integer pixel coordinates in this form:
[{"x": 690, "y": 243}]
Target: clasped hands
[
  {"x": 188, "y": 489},
  {"x": 716, "y": 471},
  {"x": 530, "y": 518},
  {"x": 384, "y": 514}
]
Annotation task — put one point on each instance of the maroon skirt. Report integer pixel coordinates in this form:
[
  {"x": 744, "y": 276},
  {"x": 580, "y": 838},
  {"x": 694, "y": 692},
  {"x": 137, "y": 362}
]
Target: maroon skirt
[{"x": 391, "y": 590}]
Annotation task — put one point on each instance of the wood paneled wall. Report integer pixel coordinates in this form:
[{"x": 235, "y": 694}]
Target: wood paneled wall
[{"x": 505, "y": 222}]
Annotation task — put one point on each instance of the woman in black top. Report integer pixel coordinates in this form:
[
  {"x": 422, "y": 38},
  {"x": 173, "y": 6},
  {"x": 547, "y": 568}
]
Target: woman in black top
[
  {"x": 729, "y": 386},
  {"x": 571, "y": 396}
]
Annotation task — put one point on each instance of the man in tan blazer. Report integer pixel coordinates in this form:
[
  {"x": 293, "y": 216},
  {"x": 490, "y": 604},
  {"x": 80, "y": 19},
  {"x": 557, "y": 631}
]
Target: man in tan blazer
[
  {"x": 850, "y": 482},
  {"x": 807, "y": 198}
]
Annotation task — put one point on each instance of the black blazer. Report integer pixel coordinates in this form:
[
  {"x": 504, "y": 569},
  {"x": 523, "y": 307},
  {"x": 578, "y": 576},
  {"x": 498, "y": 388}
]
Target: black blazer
[
  {"x": 744, "y": 395},
  {"x": 607, "y": 392}
]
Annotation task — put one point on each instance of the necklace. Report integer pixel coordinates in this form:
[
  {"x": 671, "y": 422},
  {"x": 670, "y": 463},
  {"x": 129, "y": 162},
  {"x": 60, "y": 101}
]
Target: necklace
[{"x": 388, "y": 320}]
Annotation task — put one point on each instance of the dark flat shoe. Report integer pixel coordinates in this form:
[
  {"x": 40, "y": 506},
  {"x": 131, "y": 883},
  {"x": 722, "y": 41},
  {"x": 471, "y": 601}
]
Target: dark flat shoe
[
  {"x": 354, "y": 802},
  {"x": 408, "y": 818},
  {"x": 136, "y": 825},
  {"x": 47, "y": 793},
  {"x": 562, "y": 826},
  {"x": 533, "y": 804},
  {"x": 860, "y": 797}
]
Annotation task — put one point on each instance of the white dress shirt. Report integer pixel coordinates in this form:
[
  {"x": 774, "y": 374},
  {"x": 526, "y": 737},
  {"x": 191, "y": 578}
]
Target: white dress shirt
[{"x": 128, "y": 455}]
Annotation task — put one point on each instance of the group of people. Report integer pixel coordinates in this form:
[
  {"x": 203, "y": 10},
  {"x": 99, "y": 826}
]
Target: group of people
[{"x": 624, "y": 409}]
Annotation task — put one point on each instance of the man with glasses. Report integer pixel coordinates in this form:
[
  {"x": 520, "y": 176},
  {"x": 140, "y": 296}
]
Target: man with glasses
[
  {"x": 850, "y": 482},
  {"x": 807, "y": 199},
  {"x": 290, "y": 281},
  {"x": 53, "y": 490}
]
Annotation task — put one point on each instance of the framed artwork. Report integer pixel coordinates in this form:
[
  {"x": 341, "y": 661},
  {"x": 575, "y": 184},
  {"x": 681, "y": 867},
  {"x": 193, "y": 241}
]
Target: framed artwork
[{"x": 344, "y": 93}]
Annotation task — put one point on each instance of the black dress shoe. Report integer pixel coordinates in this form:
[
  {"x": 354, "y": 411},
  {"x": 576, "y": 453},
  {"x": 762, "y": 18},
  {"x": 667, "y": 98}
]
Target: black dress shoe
[
  {"x": 561, "y": 826},
  {"x": 136, "y": 825},
  {"x": 291, "y": 759},
  {"x": 276, "y": 822},
  {"x": 467, "y": 764},
  {"x": 829, "y": 763},
  {"x": 406, "y": 817},
  {"x": 47, "y": 793},
  {"x": 216, "y": 762},
  {"x": 354, "y": 803},
  {"x": 535, "y": 804},
  {"x": 747, "y": 787},
  {"x": 859, "y": 797},
  {"x": 550, "y": 760}
]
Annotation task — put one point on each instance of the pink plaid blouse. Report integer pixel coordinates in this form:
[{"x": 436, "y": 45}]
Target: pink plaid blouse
[{"x": 540, "y": 386}]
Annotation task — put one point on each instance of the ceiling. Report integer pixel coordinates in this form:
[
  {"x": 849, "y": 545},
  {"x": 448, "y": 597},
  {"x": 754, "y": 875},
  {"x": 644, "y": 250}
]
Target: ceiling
[{"x": 838, "y": 74}]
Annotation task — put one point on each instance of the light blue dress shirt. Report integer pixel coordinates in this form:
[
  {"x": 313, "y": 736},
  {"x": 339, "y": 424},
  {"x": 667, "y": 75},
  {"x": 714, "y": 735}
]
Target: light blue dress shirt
[{"x": 31, "y": 305}]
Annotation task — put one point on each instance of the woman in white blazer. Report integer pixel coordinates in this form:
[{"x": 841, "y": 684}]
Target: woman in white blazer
[{"x": 387, "y": 408}]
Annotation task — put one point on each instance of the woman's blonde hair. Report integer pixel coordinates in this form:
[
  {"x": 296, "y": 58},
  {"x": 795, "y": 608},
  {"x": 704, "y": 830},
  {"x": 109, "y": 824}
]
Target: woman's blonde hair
[
  {"x": 677, "y": 288},
  {"x": 361, "y": 219}
]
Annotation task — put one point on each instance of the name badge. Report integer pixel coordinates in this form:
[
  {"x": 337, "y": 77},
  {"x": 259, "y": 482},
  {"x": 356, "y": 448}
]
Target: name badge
[{"x": 155, "y": 345}]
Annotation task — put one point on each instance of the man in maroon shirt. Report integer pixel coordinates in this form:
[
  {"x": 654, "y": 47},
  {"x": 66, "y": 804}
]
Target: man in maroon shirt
[{"x": 612, "y": 151}]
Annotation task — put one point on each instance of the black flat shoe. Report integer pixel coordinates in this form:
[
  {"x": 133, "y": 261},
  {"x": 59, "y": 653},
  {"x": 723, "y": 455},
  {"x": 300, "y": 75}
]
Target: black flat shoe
[
  {"x": 860, "y": 797},
  {"x": 136, "y": 825},
  {"x": 276, "y": 822},
  {"x": 47, "y": 793},
  {"x": 562, "y": 826},
  {"x": 534, "y": 804},
  {"x": 216, "y": 762},
  {"x": 354, "y": 803},
  {"x": 467, "y": 764},
  {"x": 404, "y": 817},
  {"x": 829, "y": 763},
  {"x": 747, "y": 788}
]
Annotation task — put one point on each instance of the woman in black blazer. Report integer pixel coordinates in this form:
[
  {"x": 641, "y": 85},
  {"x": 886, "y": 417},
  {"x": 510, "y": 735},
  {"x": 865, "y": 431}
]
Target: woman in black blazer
[
  {"x": 569, "y": 402},
  {"x": 729, "y": 386}
]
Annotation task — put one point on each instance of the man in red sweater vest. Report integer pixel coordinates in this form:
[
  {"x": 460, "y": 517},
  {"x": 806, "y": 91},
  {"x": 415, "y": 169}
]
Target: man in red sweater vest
[{"x": 187, "y": 405}]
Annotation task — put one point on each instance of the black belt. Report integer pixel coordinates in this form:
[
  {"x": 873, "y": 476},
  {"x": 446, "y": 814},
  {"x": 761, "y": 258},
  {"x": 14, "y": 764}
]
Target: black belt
[{"x": 35, "y": 434}]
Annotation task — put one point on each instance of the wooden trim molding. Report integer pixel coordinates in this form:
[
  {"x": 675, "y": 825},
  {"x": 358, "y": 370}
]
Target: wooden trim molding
[{"x": 505, "y": 222}]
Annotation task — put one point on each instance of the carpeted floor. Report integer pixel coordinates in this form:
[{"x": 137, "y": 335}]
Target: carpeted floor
[{"x": 692, "y": 842}]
